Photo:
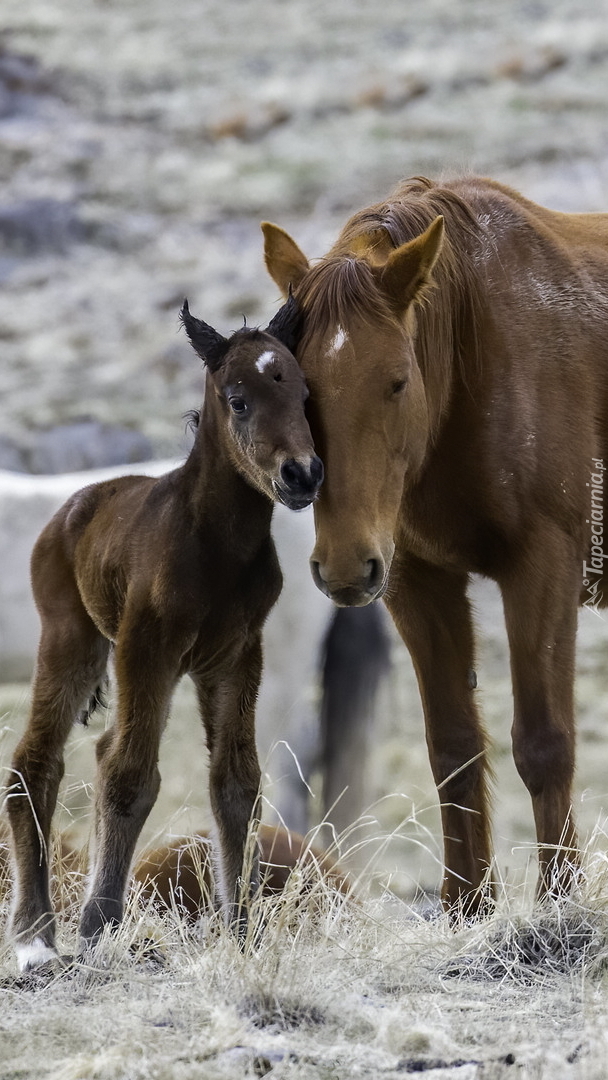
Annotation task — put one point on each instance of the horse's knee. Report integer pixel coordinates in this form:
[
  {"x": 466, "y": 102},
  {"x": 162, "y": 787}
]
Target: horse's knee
[
  {"x": 458, "y": 771},
  {"x": 543, "y": 757}
]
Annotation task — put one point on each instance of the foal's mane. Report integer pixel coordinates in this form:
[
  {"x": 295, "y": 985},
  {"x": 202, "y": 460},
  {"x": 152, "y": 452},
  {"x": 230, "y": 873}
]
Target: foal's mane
[{"x": 343, "y": 284}]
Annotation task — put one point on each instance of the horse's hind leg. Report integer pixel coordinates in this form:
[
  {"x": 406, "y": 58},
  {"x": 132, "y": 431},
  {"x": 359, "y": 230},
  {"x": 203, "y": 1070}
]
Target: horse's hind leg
[
  {"x": 228, "y": 711},
  {"x": 71, "y": 663},
  {"x": 356, "y": 656},
  {"x": 432, "y": 613},
  {"x": 540, "y": 596}
]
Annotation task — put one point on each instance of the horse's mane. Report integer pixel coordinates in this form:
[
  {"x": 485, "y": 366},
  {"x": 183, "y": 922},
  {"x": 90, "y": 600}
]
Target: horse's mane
[{"x": 343, "y": 284}]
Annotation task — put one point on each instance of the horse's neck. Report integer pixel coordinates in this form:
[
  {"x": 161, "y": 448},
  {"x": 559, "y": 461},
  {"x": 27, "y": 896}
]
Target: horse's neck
[{"x": 223, "y": 506}]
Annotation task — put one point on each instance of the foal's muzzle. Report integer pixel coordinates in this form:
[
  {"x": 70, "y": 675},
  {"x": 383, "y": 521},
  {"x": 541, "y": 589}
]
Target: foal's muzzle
[{"x": 299, "y": 484}]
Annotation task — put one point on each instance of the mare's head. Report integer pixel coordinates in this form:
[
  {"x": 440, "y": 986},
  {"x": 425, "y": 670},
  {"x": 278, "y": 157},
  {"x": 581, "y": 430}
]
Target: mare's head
[
  {"x": 259, "y": 391},
  {"x": 368, "y": 406}
]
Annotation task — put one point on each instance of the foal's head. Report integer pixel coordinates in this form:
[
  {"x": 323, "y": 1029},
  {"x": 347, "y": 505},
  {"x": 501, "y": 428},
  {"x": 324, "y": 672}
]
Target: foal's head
[
  {"x": 259, "y": 389},
  {"x": 368, "y": 408}
]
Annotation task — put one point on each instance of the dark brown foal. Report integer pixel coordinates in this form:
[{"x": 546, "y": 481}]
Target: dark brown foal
[{"x": 179, "y": 574}]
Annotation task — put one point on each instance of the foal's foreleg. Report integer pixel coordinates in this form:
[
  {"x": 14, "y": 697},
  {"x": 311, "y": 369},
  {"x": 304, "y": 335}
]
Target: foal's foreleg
[
  {"x": 228, "y": 708},
  {"x": 71, "y": 663},
  {"x": 540, "y": 596},
  {"x": 128, "y": 779},
  {"x": 432, "y": 613}
]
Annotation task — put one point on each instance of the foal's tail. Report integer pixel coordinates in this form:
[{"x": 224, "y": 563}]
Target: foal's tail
[
  {"x": 355, "y": 660},
  {"x": 97, "y": 700}
]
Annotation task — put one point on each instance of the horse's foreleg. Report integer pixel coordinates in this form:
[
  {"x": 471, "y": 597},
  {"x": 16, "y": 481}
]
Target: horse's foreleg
[
  {"x": 71, "y": 663},
  {"x": 540, "y": 602},
  {"x": 128, "y": 779},
  {"x": 432, "y": 613},
  {"x": 228, "y": 710}
]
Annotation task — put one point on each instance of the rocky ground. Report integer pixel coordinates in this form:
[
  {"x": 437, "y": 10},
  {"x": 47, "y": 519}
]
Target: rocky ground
[{"x": 141, "y": 144}]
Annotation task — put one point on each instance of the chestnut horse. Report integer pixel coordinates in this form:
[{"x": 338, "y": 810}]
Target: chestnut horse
[
  {"x": 179, "y": 573},
  {"x": 455, "y": 345}
]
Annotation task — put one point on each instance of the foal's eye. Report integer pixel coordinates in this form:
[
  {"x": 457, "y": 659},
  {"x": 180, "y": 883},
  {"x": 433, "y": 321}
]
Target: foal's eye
[
  {"x": 277, "y": 377},
  {"x": 398, "y": 386},
  {"x": 238, "y": 405}
]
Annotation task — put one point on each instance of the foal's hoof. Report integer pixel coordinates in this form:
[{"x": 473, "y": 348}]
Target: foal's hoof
[
  {"x": 96, "y": 915},
  {"x": 36, "y": 978},
  {"x": 148, "y": 952},
  {"x": 35, "y": 954}
]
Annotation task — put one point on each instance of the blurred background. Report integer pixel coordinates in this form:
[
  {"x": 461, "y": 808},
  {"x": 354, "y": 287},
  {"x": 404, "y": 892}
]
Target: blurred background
[{"x": 141, "y": 143}]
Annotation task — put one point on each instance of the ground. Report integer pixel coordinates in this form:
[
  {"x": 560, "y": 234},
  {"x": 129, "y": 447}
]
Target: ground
[{"x": 140, "y": 146}]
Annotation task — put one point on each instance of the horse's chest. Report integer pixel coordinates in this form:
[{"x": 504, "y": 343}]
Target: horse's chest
[{"x": 454, "y": 536}]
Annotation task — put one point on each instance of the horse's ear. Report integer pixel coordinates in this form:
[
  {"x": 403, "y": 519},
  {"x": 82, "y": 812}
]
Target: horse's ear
[
  {"x": 286, "y": 326},
  {"x": 409, "y": 267},
  {"x": 285, "y": 263},
  {"x": 207, "y": 342}
]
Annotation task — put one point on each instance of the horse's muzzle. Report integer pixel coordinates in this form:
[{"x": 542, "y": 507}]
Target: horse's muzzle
[
  {"x": 371, "y": 585},
  {"x": 299, "y": 484}
]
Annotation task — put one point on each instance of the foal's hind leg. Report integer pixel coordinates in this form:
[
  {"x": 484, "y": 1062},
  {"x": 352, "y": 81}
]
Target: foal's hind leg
[
  {"x": 71, "y": 663},
  {"x": 432, "y": 613},
  {"x": 228, "y": 711},
  {"x": 128, "y": 777},
  {"x": 540, "y": 597}
]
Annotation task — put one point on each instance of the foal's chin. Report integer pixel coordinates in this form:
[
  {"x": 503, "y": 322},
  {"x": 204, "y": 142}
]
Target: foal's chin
[{"x": 291, "y": 501}]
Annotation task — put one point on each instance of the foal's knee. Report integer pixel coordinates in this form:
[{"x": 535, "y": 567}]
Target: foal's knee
[
  {"x": 128, "y": 789},
  {"x": 33, "y": 779}
]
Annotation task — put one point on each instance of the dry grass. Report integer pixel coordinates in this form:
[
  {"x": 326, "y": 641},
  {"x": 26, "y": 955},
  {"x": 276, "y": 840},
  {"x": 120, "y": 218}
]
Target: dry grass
[{"x": 326, "y": 986}]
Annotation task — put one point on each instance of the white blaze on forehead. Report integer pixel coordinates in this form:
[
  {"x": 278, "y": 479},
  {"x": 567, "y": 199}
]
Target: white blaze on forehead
[
  {"x": 338, "y": 341},
  {"x": 264, "y": 359}
]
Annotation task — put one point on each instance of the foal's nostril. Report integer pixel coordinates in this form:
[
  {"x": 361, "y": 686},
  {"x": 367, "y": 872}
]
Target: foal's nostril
[
  {"x": 292, "y": 473},
  {"x": 317, "y": 471},
  {"x": 298, "y": 478}
]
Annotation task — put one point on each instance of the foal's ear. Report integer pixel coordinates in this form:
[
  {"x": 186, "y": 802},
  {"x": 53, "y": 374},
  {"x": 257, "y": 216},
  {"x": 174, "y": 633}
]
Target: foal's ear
[
  {"x": 409, "y": 267},
  {"x": 285, "y": 263},
  {"x": 207, "y": 342},
  {"x": 286, "y": 326}
]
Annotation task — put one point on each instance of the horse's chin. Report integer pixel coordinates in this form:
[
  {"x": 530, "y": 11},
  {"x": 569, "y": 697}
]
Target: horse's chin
[{"x": 352, "y": 595}]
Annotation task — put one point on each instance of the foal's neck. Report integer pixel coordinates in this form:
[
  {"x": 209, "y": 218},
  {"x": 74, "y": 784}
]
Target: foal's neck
[{"x": 224, "y": 506}]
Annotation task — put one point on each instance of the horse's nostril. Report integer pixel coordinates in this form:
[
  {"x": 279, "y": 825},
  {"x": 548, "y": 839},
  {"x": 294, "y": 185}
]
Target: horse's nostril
[
  {"x": 375, "y": 573},
  {"x": 315, "y": 569}
]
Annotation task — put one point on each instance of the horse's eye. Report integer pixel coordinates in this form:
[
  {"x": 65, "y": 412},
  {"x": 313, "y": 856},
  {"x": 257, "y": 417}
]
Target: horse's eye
[
  {"x": 238, "y": 405},
  {"x": 398, "y": 386},
  {"x": 277, "y": 377}
]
